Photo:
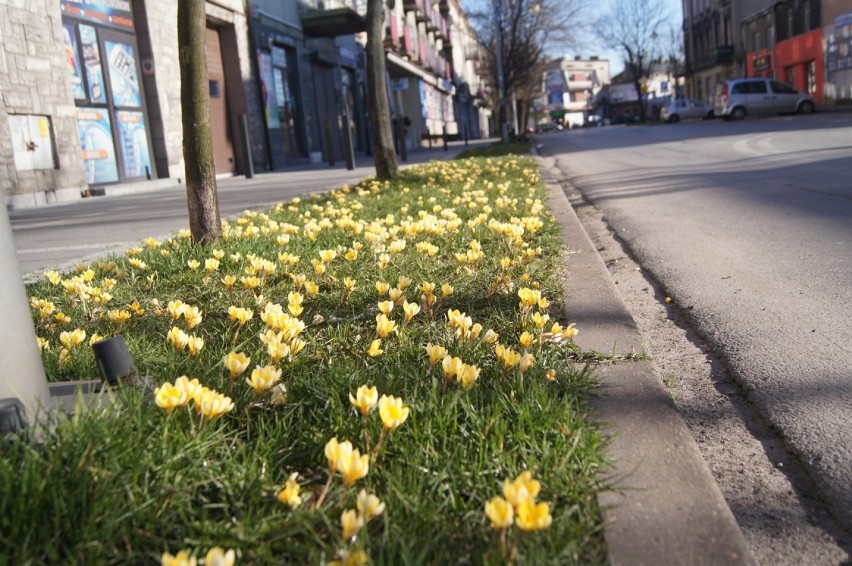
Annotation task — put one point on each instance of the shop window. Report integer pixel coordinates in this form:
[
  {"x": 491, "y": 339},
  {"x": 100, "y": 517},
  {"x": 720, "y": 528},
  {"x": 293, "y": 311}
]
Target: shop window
[{"x": 790, "y": 74}]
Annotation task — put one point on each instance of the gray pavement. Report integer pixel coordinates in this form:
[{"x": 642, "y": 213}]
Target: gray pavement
[{"x": 663, "y": 506}]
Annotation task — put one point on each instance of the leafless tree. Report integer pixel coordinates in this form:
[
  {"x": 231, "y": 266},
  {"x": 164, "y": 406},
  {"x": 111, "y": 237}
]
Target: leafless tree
[
  {"x": 202, "y": 200},
  {"x": 634, "y": 27},
  {"x": 528, "y": 29},
  {"x": 377, "y": 99}
]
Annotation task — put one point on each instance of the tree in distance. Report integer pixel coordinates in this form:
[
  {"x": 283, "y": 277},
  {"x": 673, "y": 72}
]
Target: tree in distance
[{"x": 384, "y": 155}]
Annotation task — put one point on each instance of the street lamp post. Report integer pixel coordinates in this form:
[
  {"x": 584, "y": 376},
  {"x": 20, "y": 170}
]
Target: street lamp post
[{"x": 501, "y": 81}]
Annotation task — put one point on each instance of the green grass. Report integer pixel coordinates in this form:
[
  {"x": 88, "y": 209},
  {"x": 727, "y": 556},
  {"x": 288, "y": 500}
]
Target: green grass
[
  {"x": 125, "y": 483},
  {"x": 497, "y": 149}
]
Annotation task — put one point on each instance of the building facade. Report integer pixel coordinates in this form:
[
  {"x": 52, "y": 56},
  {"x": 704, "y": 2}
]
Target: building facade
[
  {"x": 91, "y": 88},
  {"x": 569, "y": 88},
  {"x": 807, "y": 43}
]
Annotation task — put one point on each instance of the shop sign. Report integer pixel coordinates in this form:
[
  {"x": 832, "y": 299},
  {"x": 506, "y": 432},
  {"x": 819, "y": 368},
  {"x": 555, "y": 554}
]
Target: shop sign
[
  {"x": 762, "y": 62},
  {"x": 111, "y": 12}
]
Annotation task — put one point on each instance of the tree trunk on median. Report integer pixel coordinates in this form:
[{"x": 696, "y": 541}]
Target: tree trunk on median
[
  {"x": 202, "y": 200},
  {"x": 384, "y": 156}
]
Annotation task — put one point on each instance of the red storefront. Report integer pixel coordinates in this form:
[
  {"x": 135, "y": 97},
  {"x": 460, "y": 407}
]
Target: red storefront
[{"x": 798, "y": 61}]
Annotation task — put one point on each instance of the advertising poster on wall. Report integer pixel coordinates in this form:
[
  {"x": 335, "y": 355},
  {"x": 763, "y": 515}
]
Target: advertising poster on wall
[
  {"x": 838, "y": 45},
  {"x": 267, "y": 89},
  {"x": 95, "y": 131},
  {"x": 72, "y": 58},
  {"x": 116, "y": 12},
  {"x": 92, "y": 63},
  {"x": 133, "y": 142},
  {"x": 123, "y": 80}
]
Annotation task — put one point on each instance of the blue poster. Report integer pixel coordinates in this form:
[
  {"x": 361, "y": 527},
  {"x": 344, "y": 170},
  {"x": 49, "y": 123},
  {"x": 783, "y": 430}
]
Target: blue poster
[
  {"x": 92, "y": 63},
  {"x": 123, "y": 80},
  {"x": 134, "y": 143},
  {"x": 72, "y": 58},
  {"x": 95, "y": 131}
]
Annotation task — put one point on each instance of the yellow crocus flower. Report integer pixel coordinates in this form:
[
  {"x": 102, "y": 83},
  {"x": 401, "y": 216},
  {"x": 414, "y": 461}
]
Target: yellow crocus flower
[
  {"x": 239, "y": 314},
  {"x": 382, "y": 288},
  {"x": 436, "y": 353},
  {"x": 168, "y": 397},
  {"x": 446, "y": 290},
  {"x": 357, "y": 558},
  {"x": 182, "y": 559},
  {"x": 521, "y": 489},
  {"x": 369, "y": 506},
  {"x": 178, "y": 338},
  {"x": 451, "y": 366},
  {"x": 350, "y": 463},
  {"x": 392, "y": 411},
  {"x": 500, "y": 513},
  {"x": 375, "y": 349},
  {"x": 410, "y": 309},
  {"x": 290, "y": 494},
  {"x": 385, "y": 307},
  {"x": 467, "y": 375},
  {"x": 213, "y": 405},
  {"x": 526, "y": 362},
  {"x": 263, "y": 378},
  {"x": 195, "y": 345},
  {"x": 365, "y": 399},
  {"x": 236, "y": 363},
  {"x": 217, "y": 556},
  {"x": 193, "y": 264},
  {"x": 533, "y": 516},
  {"x": 526, "y": 339},
  {"x": 384, "y": 326},
  {"x": 192, "y": 316},
  {"x": 350, "y": 523}
]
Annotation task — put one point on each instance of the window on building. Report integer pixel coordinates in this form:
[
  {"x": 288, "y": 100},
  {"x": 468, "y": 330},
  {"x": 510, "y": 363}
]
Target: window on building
[
  {"x": 790, "y": 74},
  {"x": 806, "y": 15},
  {"x": 756, "y": 46},
  {"x": 790, "y": 32},
  {"x": 770, "y": 37},
  {"x": 811, "y": 77}
]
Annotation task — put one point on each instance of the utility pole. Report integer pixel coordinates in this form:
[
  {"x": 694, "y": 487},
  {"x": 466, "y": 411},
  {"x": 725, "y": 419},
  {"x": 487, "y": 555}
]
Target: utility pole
[{"x": 501, "y": 81}]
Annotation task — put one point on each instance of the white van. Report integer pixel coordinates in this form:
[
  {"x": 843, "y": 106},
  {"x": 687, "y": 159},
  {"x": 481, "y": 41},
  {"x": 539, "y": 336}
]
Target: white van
[{"x": 740, "y": 97}]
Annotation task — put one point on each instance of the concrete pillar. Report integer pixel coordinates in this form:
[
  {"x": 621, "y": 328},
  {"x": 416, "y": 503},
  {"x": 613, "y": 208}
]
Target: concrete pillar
[{"x": 21, "y": 371}]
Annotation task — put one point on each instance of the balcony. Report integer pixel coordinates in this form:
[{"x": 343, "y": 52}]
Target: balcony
[
  {"x": 331, "y": 18},
  {"x": 723, "y": 54}
]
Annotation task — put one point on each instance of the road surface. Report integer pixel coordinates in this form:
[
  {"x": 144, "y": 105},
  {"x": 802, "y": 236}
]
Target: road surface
[{"x": 748, "y": 226}]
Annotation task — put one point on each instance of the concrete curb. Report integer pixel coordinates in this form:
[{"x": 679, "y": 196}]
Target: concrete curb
[{"x": 663, "y": 505}]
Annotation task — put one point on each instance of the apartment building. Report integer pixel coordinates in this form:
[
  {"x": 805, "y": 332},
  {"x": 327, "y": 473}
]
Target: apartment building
[
  {"x": 91, "y": 88},
  {"x": 569, "y": 87},
  {"x": 807, "y": 43}
]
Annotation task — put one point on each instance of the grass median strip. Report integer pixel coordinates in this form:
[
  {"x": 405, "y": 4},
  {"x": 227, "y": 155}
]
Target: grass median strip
[{"x": 376, "y": 375}]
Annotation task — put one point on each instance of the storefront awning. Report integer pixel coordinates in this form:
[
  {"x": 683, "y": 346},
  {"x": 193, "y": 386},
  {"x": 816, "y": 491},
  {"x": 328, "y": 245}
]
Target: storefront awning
[{"x": 410, "y": 68}]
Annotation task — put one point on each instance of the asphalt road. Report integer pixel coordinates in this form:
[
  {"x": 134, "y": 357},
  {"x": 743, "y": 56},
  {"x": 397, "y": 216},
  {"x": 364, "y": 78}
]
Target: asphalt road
[
  {"x": 748, "y": 227},
  {"x": 61, "y": 235}
]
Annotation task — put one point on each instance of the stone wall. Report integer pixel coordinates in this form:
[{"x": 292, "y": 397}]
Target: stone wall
[{"x": 33, "y": 81}]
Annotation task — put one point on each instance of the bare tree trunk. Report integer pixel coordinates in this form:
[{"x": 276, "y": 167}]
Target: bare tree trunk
[
  {"x": 377, "y": 94},
  {"x": 202, "y": 200}
]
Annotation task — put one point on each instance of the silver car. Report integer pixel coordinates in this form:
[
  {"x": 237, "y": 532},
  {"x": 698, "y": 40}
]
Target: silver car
[
  {"x": 740, "y": 97},
  {"x": 685, "y": 108}
]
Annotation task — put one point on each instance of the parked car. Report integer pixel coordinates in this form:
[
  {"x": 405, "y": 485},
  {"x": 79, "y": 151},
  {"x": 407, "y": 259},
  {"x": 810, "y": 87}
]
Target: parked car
[
  {"x": 685, "y": 108},
  {"x": 740, "y": 97}
]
